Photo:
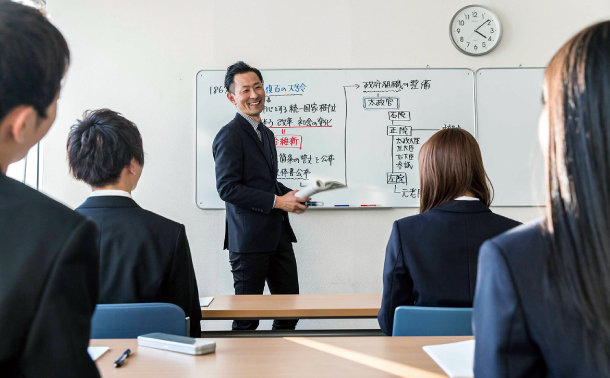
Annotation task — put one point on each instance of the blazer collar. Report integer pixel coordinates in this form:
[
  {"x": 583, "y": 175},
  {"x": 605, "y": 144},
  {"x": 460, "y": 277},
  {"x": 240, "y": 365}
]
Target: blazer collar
[
  {"x": 454, "y": 206},
  {"x": 108, "y": 201}
]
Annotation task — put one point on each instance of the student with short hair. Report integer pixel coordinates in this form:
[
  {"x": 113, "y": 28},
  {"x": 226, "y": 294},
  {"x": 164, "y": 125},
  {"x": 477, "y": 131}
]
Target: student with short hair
[
  {"x": 542, "y": 307},
  {"x": 48, "y": 256},
  {"x": 431, "y": 258},
  {"x": 144, "y": 257}
]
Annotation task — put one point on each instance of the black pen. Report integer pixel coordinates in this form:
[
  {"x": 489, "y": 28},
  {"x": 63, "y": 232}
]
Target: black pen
[
  {"x": 310, "y": 203},
  {"x": 121, "y": 360}
]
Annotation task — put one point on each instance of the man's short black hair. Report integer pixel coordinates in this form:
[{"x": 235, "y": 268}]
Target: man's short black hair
[
  {"x": 34, "y": 57},
  {"x": 236, "y": 69},
  {"x": 101, "y": 145}
]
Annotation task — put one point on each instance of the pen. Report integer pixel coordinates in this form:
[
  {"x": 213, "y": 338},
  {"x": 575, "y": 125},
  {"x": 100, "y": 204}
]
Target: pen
[
  {"x": 121, "y": 360},
  {"x": 311, "y": 203}
]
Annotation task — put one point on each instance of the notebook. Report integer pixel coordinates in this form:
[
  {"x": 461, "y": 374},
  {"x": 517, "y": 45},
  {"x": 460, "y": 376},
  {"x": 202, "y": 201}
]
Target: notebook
[
  {"x": 96, "y": 352},
  {"x": 205, "y": 301},
  {"x": 456, "y": 359}
]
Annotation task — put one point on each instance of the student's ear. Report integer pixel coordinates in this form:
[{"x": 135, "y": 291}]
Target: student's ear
[
  {"x": 13, "y": 125},
  {"x": 231, "y": 98},
  {"x": 132, "y": 167}
]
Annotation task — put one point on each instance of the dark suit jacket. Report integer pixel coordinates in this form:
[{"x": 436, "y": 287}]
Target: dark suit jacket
[
  {"x": 519, "y": 332},
  {"x": 247, "y": 181},
  {"x": 143, "y": 257},
  {"x": 48, "y": 285},
  {"x": 431, "y": 258}
]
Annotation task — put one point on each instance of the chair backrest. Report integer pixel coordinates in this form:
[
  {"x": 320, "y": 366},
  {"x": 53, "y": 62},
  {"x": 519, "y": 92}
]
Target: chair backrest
[
  {"x": 130, "y": 320},
  {"x": 432, "y": 321}
]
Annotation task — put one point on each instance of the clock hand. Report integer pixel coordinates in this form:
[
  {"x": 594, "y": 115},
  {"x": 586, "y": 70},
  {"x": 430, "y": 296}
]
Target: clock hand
[
  {"x": 480, "y": 26},
  {"x": 480, "y": 34}
]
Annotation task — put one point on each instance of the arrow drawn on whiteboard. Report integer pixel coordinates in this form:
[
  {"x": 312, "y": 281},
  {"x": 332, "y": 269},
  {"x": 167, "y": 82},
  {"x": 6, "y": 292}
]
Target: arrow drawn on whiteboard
[{"x": 355, "y": 85}]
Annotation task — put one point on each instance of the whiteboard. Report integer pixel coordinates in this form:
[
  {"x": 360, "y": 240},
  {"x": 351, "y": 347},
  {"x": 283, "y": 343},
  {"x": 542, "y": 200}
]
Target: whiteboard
[
  {"x": 508, "y": 107},
  {"x": 360, "y": 127}
]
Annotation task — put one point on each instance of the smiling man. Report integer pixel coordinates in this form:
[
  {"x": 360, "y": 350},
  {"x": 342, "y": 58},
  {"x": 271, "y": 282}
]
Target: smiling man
[{"x": 257, "y": 230}]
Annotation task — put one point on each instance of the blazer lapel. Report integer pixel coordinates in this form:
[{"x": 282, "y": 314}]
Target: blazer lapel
[{"x": 250, "y": 131}]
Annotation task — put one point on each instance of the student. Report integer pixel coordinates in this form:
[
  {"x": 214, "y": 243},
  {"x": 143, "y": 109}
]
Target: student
[
  {"x": 431, "y": 258},
  {"x": 143, "y": 256},
  {"x": 48, "y": 256},
  {"x": 542, "y": 307}
]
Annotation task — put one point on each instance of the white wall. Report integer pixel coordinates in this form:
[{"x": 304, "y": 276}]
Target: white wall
[{"x": 140, "y": 57}]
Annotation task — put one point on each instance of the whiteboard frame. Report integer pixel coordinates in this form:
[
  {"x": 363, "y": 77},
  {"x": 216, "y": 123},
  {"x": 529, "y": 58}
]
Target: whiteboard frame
[{"x": 474, "y": 109}]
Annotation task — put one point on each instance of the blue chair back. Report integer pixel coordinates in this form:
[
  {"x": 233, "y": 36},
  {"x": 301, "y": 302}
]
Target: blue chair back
[
  {"x": 432, "y": 321},
  {"x": 130, "y": 320}
]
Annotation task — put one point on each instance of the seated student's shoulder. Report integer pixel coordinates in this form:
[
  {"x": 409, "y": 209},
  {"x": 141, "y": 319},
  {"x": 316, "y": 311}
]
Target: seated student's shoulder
[
  {"x": 417, "y": 222},
  {"x": 160, "y": 224},
  {"x": 21, "y": 200},
  {"x": 522, "y": 243}
]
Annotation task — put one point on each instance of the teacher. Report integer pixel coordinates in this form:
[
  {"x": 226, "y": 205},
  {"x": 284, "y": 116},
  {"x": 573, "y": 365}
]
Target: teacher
[{"x": 258, "y": 234}]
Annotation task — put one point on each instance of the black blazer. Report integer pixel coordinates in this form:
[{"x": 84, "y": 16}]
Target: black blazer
[
  {"x": 48, "y": 285},
  {"x": 431, "y": 258},
  {"x": 247, "y": 181},
  {"x": 518, "y": 330},
  {"x": 144, "y": 257}
]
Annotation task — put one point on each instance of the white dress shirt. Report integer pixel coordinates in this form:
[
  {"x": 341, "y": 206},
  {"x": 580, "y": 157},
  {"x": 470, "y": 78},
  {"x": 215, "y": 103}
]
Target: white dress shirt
[{"x": 98, "y": 193}]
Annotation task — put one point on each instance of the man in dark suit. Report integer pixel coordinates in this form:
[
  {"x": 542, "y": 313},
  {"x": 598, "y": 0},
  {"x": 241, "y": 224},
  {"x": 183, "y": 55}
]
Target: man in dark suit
[
  {"x": 144, "y": 257},
  {"x": 258, "y": 234},
  {"x": 48, "y": 257}
]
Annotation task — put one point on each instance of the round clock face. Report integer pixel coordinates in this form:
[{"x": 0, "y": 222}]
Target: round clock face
[{"x": 475, "y": 30}]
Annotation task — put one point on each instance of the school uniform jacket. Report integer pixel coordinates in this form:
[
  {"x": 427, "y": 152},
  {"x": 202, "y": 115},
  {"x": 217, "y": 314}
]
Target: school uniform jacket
[
  {"x": 144, "y": 257},
  {"x": 48, "y": 285},
  {"x": 431, "y": 258},
  {"x": 519, "y": 330}
]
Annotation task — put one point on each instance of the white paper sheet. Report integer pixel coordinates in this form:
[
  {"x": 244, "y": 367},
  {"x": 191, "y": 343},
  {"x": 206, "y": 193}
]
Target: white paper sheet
[
  {"x": 456, "y": 359},
  {"x": 96, "y": 352},
  {"x": 205, "y": 301}
]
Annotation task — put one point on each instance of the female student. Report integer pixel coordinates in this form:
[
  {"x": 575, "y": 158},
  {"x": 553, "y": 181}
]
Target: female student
[
  {"x": 542, "y": 307},
  {"x": 431, "y": 258}
]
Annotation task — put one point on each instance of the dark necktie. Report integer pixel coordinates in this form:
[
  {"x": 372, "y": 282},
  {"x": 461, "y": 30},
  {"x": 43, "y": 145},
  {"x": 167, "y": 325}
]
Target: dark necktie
[
  {"x": 268, "y": 153},
  {"x": 265, "y": 142}
]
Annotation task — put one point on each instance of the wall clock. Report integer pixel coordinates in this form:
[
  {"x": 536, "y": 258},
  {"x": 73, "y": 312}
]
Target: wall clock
[{"x": 475, "y": 30}]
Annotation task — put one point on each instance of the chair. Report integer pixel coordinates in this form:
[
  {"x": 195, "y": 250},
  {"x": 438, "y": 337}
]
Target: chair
[
  {"x": 432, "y": 321},
  {"x": 130, "y": 320}
]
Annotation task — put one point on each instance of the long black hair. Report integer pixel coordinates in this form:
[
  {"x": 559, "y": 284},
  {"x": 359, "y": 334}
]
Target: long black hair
[{"x": 577, "y": 272}]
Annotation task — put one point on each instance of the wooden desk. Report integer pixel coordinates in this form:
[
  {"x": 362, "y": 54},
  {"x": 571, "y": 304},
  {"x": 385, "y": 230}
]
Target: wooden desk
[
  {"x": 306, "y": 306},
  {"x": 282, "y": 357}
]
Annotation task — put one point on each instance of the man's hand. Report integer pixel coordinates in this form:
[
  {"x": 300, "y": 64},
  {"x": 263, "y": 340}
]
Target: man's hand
[{"x": 288, "y": 202}]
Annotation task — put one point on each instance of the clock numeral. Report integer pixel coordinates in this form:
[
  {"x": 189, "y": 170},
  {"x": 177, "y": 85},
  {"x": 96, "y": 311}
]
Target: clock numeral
[
  {"x": 483, "y": 15},
  {"x": 461, "y": 22},
  {"x": 491, "y": 30},
  {"x": 467, "y": 16},
  {"x": 474, "y": 14},
  {"x": 458, "y": 30},
  {"x": 475, "y": 47},
  {"x": 461, "y": 39},
  {"x": 468, "y": 44},
  {"x": 489, "y": 39},
  {"x": 483, "y": 44}
]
